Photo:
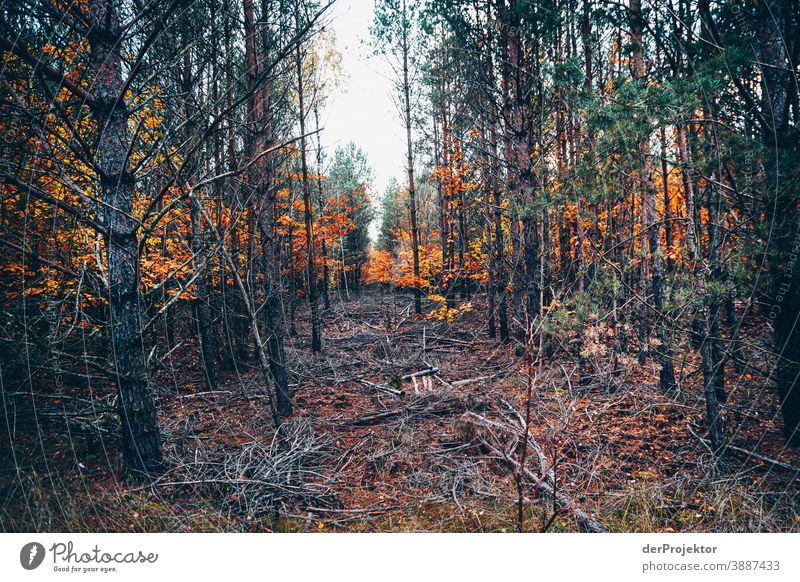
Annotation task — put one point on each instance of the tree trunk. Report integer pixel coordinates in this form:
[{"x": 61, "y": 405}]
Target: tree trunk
[
  {"x": 316, "y": 335},
  {"x": 201, "y": 307},
  {"x": 495, "y": 226},
  {"x": 412, "y": 194},
  {"x": 511, "y": 181},
  {"x": 780, "y": 147},
  {"x": 321, "y": 203},
  {"x": 141, "y": 447},
  {"x": 200, "y": 304},
  {"x": 649, "y": 217},
  {"x": 521, "y": 142},
  {"x": 483, "y": 163},
  {"x": 500, "y": 283},
  {"x": 715, "y": 426},
  {"x": 265, "y": 195},
  {"x": 665, "y": 188}
]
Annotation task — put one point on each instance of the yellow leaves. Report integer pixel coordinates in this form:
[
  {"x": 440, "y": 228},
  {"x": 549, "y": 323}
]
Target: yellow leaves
[
  {"x": 456, "y": 176},
  {"x": 430, "y": 260},
  {"x": 444, "y": 312},
  {"x": 673, "y": 253},
  {"x": 410, "y": 281},
  {"x": 379, "y": 267},
  {"x": 150, "y": 122},
  {"x": 554, "y": 304}
]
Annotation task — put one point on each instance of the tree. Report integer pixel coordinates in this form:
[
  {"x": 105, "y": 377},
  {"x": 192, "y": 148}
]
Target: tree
[
  {"x": 650, "y": 222},
  {"x": 349, "y": 212},
  {"x": 393, "y": 30},
  {"x": 108, "y": 104},
  {"x": 779, "y": 135},
  {"x": 391, "y": 216},
  {"x": 316, "y": 335}
]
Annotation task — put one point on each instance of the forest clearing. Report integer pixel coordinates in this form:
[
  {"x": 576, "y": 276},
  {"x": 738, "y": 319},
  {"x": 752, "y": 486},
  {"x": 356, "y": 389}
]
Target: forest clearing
[
  {"x": 361, "y": 457},
  {"x": 568, "y": 302}
]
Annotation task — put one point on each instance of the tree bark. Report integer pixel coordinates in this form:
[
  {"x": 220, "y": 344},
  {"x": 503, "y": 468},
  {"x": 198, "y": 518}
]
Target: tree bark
[
  {"x": 261, "y": 127},
  {"x": 649, "y": 215},
  {"x": 780, "y": 146},
  {"x": 316, "y": 335},
  {"x": 200, "y": 304},
  {"x": 412, "y": 194},
  {"x": 522, "y": 161},
  {"x": 141, "y": 445}
]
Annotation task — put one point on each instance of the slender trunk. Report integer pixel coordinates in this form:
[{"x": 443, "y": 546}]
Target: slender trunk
[
  {"x": 649, "y": 215},
  {"x": 588, "y": 139},
  {"x": 292, "y": 278},
  {"x": 780, "y": 147},
  {"x": 200, "y": 303},
  {"x": 487, "y": 220},
  {"x": 445, "y": 185},
  {"x": 265, "y": 195},
  {"x": 141, "y": 443},
  {"x": 715, "y": 426},
  {"x": 230, "y": 319},
  {"x": 496, "y": 204},
  {"x": 261, "y": 348},
  {"x": 499, "y": 260},
  {"x": 511, "y": 181},
  {"x": 440, "y": 193},
  {"x": 572, "y": 130},
  {"x": 715, "y": 307},
  {"x": 665, "y": 187},
  {"x": 321, "y": 203},
  {"x": 521, "y": 143},
  {"x": 316, "y": 335},
  {"x": 412, "y": 194}
]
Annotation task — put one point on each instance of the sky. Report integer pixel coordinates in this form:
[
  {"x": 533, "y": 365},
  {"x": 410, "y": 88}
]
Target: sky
[{"x": 362, "y": 110}]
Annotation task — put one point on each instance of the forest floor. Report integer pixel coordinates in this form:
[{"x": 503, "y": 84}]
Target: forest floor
[{"x": 441, "y": 457}]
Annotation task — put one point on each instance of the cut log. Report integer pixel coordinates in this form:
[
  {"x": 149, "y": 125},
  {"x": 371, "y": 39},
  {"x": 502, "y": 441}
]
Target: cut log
[
  {"x": 476, "y": 379},
  {"x": 421, "y": 373},
  {"x": 381, "y": 388}
]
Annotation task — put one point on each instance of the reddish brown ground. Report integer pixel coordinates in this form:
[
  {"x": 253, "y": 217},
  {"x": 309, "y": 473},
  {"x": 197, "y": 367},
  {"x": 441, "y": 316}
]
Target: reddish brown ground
[{"x": 620, "y": 450}]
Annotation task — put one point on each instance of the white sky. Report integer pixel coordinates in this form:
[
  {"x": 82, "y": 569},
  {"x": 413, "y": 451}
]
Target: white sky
[{"x": 362, "y": 111}]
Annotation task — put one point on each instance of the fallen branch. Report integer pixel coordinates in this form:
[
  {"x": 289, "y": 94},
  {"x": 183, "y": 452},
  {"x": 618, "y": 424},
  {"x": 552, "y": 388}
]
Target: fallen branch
[
  {"x": 372, "y": 419},
  {"x": 748, "y": 454},
  {"x": 381, "y": 388},
  {"x": 543, "y": 483},
  {"x": 421, "y": 373},
  {"x": 367, "y": 511},
  {"x": 448, "y": 340},
  {"x": 589, "y": 523},
  {"x": 773, "y": 462},
  {"x": 208, "y": 393}
]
